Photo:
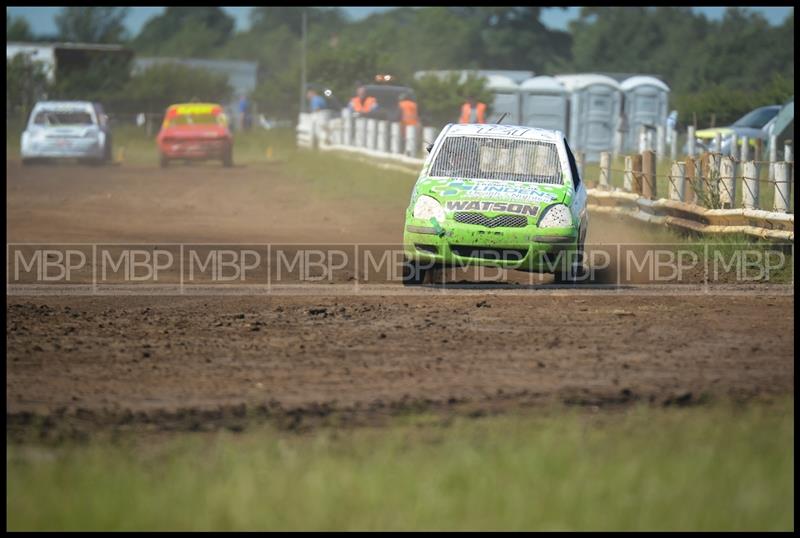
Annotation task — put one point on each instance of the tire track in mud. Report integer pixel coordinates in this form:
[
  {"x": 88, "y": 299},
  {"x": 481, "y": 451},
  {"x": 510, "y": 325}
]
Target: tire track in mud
[{"x": 79, "y": 367}]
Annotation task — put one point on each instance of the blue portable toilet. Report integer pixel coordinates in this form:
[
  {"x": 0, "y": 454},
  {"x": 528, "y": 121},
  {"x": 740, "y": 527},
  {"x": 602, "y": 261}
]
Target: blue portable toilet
[
  {"x": 646, "y": 102},
  {"x": 544, "y": 103},
  {"x": 594, "y": 109},
  {"x": 506, "y": 99}
]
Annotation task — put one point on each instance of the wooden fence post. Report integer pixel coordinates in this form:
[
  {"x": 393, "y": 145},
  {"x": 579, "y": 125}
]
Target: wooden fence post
[
  {"x": 605, "y": 169},
  {"x": 750, "y": 185},
  {"x": 690, "y": 168},
  {"x": 745, "y": 156},
  {"x": 673, "y": 145},
  {"x": 759, "y": 152},
  {"x": 734, "y": 147},
  {"x": 718, "y": 143},
  {"x": 649, "y": 187},
  {"x": 677, "y": 184},
  {"x": 627, "y": 179},
  {"x": 711, "y": 187},
  {"x": 782, "y": 187},
  {"x": 727, "y": 181},
  {"x": 690, "y": 141},
  {"x": 773, "y": 156},
  {"x": 637, "y": 174},
  {"x": 660, "y": 143}
]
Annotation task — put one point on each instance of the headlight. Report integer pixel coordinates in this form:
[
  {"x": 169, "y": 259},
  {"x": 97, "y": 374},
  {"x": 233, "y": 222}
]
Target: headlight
[
  {"x": 427, "y": 207},
  {"x": 556, "y": 216}
]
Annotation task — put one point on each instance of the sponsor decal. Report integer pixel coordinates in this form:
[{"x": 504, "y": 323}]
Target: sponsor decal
[
  {"x": 522, "y": 192},
  {"x": 504, "y": 207}
]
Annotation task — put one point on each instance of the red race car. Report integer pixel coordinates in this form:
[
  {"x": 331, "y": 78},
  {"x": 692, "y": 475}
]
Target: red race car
[{"x": 195, "y": 131}]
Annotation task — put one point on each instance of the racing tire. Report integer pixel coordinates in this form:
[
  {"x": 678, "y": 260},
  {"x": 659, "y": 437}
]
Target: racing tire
[
  {"x": 163, "y": 161},
  {"x": 577, "y": 271},
  {"x": 413, "y": 274},
  {"x": 108, "y": 153},
  {"x": 227, "y": 159},
  {"x": 28, "y": 162}
]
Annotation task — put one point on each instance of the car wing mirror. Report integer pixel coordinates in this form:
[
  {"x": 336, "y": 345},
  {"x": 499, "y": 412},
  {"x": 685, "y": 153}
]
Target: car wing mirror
[{"x": 429, "y": 147}]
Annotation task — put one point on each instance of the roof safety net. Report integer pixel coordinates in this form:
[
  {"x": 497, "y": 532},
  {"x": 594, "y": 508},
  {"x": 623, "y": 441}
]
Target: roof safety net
[{"x": 477, "y": 157}]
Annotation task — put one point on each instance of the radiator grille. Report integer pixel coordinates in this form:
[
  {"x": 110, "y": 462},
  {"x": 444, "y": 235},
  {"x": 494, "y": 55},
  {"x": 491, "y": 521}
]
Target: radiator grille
[{"x": 500, "y": 221}]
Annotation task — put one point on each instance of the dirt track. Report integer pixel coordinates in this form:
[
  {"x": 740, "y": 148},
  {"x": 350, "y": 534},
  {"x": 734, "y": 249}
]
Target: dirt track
[{"x": 82, "y": 364}]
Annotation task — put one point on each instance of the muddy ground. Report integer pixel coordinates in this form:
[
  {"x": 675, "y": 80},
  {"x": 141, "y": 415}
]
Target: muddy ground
[{"x": 78, "y": 365}]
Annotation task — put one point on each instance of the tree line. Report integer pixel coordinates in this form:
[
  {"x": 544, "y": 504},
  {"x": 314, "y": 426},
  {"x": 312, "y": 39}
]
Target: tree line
[{"x": 717, "y": 70}]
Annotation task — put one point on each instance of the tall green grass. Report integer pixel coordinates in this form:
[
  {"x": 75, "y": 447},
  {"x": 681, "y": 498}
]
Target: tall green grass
[{"x": 711, "y": 468}]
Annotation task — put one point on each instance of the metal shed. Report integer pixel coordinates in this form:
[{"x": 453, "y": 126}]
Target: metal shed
[
  {"x": 506, "y": 99},
  {"x": 593, "y": 113},
  {"x": 544, "y": 103},
  {"x": 646, "y": 101}
]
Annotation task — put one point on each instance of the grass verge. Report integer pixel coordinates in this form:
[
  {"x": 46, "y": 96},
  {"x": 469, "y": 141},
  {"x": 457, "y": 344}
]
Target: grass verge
[{"x": 712, "y": 468}]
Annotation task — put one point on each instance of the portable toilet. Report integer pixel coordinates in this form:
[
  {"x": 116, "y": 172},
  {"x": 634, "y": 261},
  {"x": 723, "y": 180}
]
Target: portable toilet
[
  {"x": 646, "y": 102},
  {"x": 506, "y": 99},
  {"x": 594, "y": 109},
  {"x": 517, "y": 76},
  {"x": 544, "y": 103}
]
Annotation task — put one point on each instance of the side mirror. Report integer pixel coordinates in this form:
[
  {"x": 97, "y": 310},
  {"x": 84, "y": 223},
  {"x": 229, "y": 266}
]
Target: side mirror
[{"x": 429, "y": 147}]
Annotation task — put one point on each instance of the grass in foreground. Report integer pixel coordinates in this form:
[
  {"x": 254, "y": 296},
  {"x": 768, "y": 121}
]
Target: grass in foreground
[{"x": 717, "y": 468}]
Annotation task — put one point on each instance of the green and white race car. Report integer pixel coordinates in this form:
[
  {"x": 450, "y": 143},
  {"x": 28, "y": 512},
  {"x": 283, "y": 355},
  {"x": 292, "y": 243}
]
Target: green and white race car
[{"x": 497, "y": 195}]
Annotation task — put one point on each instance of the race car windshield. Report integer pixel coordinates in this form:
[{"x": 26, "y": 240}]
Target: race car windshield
[
  {"x": 51, "y": 118},
  {"x": 197, "y": 119},
  {"x": 469, "y": 157},
  {"x": 757, "y": 118}
]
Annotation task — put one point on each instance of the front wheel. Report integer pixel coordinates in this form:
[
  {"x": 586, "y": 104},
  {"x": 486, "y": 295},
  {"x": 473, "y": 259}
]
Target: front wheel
[
  {"x": 576, "y": 272},
  {"x": 227, "y": 159},
  {"x": 413, "y": 273},
  {"x": 108, "y": 153},
  {"x": 163, "y": 161}
]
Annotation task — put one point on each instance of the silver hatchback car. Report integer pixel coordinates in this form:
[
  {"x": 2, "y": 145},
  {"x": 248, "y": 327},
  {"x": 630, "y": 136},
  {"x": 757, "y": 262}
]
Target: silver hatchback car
[{"x": 66, "y": 129}]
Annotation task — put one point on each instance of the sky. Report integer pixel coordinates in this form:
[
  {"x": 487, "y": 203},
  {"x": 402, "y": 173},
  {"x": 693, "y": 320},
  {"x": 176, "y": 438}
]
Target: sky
[{"x": 41, "y": 19}]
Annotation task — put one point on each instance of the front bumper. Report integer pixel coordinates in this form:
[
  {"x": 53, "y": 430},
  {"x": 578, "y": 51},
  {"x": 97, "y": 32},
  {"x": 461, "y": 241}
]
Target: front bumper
[
  {"x": 54, "y": 148},
  {"x": 526, "y": 248}
]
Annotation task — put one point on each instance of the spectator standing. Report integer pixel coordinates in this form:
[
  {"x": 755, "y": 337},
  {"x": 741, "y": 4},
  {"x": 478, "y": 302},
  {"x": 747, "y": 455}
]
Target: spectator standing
[
  {"x": 244, "y": 113},
  {"x": 361, "y": 103},
  {"x": 473, "y": 111},
  {"x": 315, "y": 101}
]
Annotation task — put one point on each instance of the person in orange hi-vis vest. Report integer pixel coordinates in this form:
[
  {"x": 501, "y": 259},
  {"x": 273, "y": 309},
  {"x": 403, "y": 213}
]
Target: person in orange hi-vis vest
[
  {"x": 473, "y": 111},
  {"x": 361, "y": 103},
  {"x": 408, "y": 110}
]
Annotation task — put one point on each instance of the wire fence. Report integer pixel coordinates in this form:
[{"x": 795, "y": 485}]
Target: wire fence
[{"x": 711, "y": 180}]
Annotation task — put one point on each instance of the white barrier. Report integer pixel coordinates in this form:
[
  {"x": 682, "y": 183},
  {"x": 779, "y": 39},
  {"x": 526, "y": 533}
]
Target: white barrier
[
  {"x": 396, "y": 138},
  {"x": 411, "y": 141},
  {"x": 382, "y": 144},
  {"x": 361, "y": 133},
  {"x": 717, "y": 177},
  {"x": 371, "y": 133}
]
